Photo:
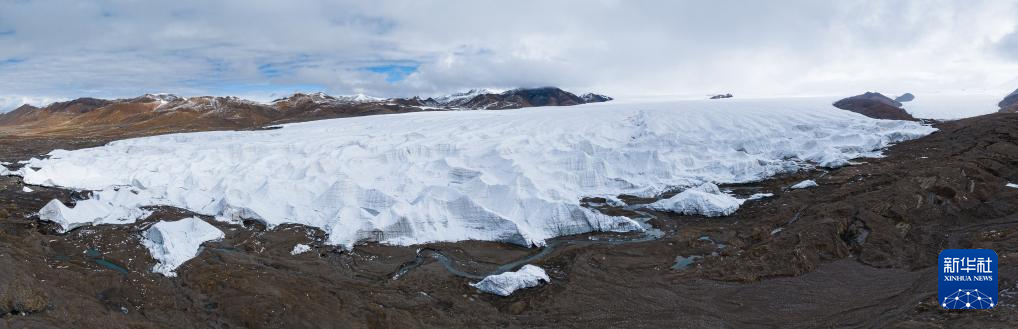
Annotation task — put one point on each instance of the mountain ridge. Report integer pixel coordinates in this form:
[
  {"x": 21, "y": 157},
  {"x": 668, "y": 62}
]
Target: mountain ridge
[{"x": 162, "y": 113}]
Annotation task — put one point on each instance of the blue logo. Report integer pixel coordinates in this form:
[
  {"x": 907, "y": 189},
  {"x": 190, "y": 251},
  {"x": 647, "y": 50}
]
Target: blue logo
[{"x": 967, "y": 279}]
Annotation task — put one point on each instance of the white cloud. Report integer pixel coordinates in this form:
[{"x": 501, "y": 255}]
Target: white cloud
[{"x": 67, "y": 49}]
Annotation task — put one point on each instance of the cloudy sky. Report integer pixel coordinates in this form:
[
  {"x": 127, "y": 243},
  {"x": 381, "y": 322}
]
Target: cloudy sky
[{"x": 62, "y": 49}]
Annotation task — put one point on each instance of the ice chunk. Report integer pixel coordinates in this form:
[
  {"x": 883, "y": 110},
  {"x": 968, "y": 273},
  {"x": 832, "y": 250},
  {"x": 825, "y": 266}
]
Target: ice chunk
[
  {"x": 506, "y": 283},
  {"x": 300, "y": 248},
  {"x": 804, "y": 184},
  {"x": 118, "y": 205},
  {"x": 1011, "y": 185},
  {"x": 173, "y": 243},
  {"x": 758, "y": 196},
  {"x": 705, "y": 199},
  {"x": 26, "y": 189}
]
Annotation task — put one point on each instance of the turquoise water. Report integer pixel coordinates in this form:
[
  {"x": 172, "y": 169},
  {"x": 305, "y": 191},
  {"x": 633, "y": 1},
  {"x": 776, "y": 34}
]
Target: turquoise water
[{"x": 682, "y": 263}]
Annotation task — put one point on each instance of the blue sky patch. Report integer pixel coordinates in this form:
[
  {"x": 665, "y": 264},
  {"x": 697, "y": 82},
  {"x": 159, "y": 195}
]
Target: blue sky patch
[
  {"x": 393, "y": 72},
  {"x": 286, "y": 67},
  {"x": 11, "y": 61}
]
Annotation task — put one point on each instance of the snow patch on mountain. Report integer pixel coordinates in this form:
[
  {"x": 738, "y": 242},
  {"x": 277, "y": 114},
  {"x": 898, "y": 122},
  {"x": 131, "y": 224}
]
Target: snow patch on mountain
[
  {"x": 457, "y": 98},
  {"x": 206, "y": 104},
  {"x": 515, "y": 176},
  {"x": 359, "y": 98},
  {"x": 162, "y": 98}
]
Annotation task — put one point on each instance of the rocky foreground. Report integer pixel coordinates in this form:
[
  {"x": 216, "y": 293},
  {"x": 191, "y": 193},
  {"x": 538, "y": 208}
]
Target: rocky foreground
[{"x": 858, "y": 250}]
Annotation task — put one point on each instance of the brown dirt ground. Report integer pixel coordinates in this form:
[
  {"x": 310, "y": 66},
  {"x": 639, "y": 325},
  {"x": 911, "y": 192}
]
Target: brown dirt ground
[{"x": 858, "y": 251}]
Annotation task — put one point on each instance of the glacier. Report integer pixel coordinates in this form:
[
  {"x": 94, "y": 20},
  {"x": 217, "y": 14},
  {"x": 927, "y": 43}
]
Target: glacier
[{"x": 515, "y": 176}]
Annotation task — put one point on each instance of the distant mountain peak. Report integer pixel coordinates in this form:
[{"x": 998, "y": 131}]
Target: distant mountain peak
[
  {"x": 496, "y": 99},
  {"x": 321, "y": 97},
  {"x": 155, "y": 97},
  {"x": 466, "y": 95},
  {"x": 165, "y": 112},
  {"x": 359, "y": 98}
]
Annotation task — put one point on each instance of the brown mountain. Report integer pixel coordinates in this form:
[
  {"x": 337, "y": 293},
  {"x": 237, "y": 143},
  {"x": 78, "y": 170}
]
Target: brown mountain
[
  {"x": 874, "y": 105},
  {"x": 306, "y": 107},
  {"x": 164, "y": 113}
]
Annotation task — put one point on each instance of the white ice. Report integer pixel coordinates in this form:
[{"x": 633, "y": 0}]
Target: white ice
[
  {"x": 953, "y": 106},
  {"x": 173, "y": 243},
  {"x": 27, "y": 189},
  {"x": 506, "y": 283},
  {"x": 515, "y": 176},
  {"x": 300, "y": 248},
  {"x": 758, "y": 196},
  {"x": 804, "y": 184},
  {"x": 114, "y": 205},
  {"x": 706, "y": 200},
  {"x": 1011, "y": 185}
]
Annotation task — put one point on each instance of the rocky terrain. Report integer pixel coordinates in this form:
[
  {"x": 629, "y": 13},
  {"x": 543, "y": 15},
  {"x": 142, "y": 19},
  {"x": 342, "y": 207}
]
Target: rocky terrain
[
  {"x": 874, "y": 105},
  {"x": 164, "y": 113},
  {"x": 858, "y": 250}
]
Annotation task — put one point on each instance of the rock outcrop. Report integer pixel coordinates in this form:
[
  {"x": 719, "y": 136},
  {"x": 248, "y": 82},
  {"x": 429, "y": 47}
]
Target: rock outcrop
[
  {"x": 875, "y": 105},
  {"x": 1010, "y": 103}
]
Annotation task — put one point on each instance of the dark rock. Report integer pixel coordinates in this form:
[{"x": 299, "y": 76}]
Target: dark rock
[
  {"x": 1010, "y": 103},
  {"x": 874, "y": 105},
  {"x": 80, "y": 105},
  {"x": 595, "y": 98},
  {"x": 906, "y": 97},
  {"x": 721, "y": 96},
  {"x": 522, "y": 97},
  {"x": 416, "y": 101}
]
